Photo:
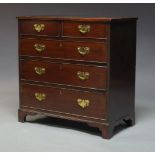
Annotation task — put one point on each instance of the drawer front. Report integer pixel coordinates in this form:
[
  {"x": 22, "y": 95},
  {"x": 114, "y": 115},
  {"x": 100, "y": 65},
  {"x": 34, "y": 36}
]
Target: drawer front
[
  {"x": 84, "y": 30},
  {"x": 72, "y": 50},
  {"x": 50, "y": 28},
  {"x": 68, "y": 74},
  {"x": 63, "y": 100}
]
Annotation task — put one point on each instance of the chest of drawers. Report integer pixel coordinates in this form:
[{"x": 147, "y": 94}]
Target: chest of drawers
[{"x": 80, "y": 69}]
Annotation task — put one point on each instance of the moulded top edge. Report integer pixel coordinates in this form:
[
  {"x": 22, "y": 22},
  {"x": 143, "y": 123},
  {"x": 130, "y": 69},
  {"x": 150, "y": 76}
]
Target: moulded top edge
[{"x": 99, "y": 19}]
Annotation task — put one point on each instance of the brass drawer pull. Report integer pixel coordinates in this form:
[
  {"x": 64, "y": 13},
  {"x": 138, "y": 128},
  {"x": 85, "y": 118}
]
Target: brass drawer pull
[
  {"x": 83, "y": 103},
  {"x": 39, "y": 70},
  {"x": 84, "y": 28},
  {"x": 40, "y": 96},
  {"x": 39, "y": 47},
  {"x": 83, "y": 50},
  {"x": 39, "y": 27},
  {"x": 83, "y": 75}
]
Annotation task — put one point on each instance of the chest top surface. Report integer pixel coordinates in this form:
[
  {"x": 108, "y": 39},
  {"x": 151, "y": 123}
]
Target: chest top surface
[{"x": 89, "y": 19}]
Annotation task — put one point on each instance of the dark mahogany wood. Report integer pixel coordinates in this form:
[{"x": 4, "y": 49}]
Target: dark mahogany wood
[
  {"x": 64, "y": 73},
  {"x": 107, "y": 131},
  {"x": 62, "y": 49},
  {"x": 97, "y": 30},
  {"x": 83, "y": 19},
  {"x": 22, "y": 116},
  {"x": 64, "y": 100},
  {"x": 52, "y": 28},
  {"x": 122, "y": 70},
  {"x": 110, "y": 63}
]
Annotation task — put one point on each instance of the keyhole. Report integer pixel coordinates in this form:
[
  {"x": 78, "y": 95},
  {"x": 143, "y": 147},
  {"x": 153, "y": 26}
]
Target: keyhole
[
  {"x": 60, "y": 45},
  {"x": 60, "y": 92},
  {"x": 60, "y": 67}
]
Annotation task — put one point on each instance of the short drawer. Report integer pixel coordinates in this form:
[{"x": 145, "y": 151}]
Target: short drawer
[
  {"x": 84, "y": 29},
  {"x": 63, "y": 73},
  {"x": 72, "y": 50},
  {"x": 49, "y": 28},
  {"x": 63, "y": 100}
]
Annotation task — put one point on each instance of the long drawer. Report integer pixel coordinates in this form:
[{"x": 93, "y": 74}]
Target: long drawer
[
  {"x": 64, "y": 73},
  {"x": 72, "y": 50},
  {"x": 63, "y": 100}
]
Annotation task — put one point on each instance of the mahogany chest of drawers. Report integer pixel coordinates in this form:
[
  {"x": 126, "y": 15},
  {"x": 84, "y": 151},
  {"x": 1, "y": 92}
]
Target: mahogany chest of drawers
[{"x": 80, "y": 69}]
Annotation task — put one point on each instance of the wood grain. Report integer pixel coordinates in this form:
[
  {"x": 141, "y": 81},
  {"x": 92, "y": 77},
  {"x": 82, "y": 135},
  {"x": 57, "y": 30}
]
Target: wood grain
[
  {"x": 111, "y": 61},
  {"x": 64, "y": 100},
  {"x": 97, "y": 30},
  {"x": 65, "y": 49},
  {"x": 52, "y": 28},
  {"x": 64, "y": 74}
]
